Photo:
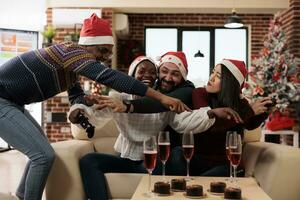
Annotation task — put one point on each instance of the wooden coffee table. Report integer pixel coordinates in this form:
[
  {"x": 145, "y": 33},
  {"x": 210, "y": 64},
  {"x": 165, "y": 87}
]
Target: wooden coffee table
[{"x": 250, "y": 188}]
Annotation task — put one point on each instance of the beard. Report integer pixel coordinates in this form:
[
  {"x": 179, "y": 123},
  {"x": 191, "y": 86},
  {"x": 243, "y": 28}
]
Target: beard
[{"x": 171, "y": 85}]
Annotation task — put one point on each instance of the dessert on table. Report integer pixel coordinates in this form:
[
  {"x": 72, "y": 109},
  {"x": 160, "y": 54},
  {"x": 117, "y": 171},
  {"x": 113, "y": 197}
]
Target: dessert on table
[
  {"x": 178, "y": 184},
  {"x": 217, "y": 187},
  {"x": 233, "y": 193},
  {"x": 194, "y": 191},
  {"x": 162, "y": 188}
]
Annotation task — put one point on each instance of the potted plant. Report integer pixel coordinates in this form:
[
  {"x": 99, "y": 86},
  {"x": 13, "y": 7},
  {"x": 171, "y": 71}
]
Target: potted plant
[{"x": 49, "y": 34}]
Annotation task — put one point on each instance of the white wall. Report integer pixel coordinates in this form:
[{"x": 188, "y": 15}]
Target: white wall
[{"x": 23, "y": 14}]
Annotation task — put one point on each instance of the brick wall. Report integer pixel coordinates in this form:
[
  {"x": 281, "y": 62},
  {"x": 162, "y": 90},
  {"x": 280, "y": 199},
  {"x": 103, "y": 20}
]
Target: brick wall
[
  {"x": 259, "y": 24},
  {"x": 56, "y": 131},
  {"x": 291, "y": 25}
]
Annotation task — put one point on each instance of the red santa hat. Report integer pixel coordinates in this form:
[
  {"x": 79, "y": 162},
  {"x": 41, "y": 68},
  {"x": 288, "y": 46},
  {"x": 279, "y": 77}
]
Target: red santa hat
[
  {"x": 95, "y": 31},
  {"x": 136, "y": 62},
  {"x": 179, "y": 59},
  {"x": 237, "y": 68}
]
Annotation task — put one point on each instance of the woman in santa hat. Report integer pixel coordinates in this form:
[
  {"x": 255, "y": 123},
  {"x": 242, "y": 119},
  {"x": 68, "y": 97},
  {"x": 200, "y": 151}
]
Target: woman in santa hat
[{"x": 222, "y": 90}]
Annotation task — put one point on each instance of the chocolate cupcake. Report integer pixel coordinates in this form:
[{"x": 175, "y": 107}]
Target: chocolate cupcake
[
  {"x": 162, "y": 188},
  {"x": 217, "y": 187},
  {"x": 233, "y": 193},
  {"x": 178, "y": 184},
  {"x": 194, "y": 190}
]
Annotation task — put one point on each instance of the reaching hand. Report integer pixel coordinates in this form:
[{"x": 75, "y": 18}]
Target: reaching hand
[
  {"x": 73, "y": 116},
  {"x": 174, "y": 104},
  {"x": 226, "y": 113},
  {"x": 171, "y": 103},
  {"x": 92, "y": 99},
  {"x": 260, "y": 106},
  {"x": 112, "y": 103}
]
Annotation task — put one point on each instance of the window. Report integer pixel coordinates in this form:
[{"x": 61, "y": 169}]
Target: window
[
  {"x": 215, "y": 43},
  {"x": 230, "y": 43},
  {"x": 160, "y": 40},
  {"x": 192, "y": 42}
]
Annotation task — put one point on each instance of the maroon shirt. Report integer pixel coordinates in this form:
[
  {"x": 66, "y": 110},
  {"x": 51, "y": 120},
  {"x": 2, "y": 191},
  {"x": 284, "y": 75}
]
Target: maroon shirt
[{"x": 210, "y": 145}]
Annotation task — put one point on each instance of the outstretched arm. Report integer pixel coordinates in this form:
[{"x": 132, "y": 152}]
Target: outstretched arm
[
  {"x": 119, "y": 106},
  {"x": 196, "y": 121},
  {"x": 148, "y": 105},
  {"x": 202, "y": 119},
  {"x": 96, "y": 117},
  {"x": 122, "y": 83}
]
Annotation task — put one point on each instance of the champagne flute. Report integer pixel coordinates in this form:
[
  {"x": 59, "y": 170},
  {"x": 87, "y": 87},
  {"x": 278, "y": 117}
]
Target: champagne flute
[
  {"x": 164, "y": 149},
  {"x": 150, "y": 154},
  {"x": 235, "y": 150},
  {"x": 188, "y": 151},
  {"x": 228, "y": 154}
]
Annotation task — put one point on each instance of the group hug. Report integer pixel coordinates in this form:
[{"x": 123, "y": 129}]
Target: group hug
[{"x": 153, "y": 97}]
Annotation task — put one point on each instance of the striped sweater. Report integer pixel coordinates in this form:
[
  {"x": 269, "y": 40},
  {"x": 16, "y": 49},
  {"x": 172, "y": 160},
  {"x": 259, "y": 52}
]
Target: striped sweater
[{"x": 40, "y": 74}]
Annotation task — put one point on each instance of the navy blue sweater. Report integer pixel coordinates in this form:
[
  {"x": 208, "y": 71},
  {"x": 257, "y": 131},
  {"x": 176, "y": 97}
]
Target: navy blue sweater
[{"x": 40, "y": 74}]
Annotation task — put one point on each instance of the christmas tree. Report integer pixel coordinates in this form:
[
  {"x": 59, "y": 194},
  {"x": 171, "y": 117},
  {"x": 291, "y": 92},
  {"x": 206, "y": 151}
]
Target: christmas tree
[{"x": 275, "y": 72}]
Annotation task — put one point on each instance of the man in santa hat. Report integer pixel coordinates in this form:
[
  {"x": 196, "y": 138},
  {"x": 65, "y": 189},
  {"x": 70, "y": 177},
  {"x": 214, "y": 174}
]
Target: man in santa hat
[
  {"x": 38, "y": 75},
  {"x": 172, "y": 81}
]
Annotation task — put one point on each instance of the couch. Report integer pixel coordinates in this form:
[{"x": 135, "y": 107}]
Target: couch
[{"x": 274, "y": 166}]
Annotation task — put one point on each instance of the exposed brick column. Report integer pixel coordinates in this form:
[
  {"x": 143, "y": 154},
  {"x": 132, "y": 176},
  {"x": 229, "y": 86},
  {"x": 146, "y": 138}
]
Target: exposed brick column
[
  {"x": 49, "y": 16},
  {"x": 294, "y": 37},
  {"x": 107, "y": 13},
  {"x": 291, "y": 24}
]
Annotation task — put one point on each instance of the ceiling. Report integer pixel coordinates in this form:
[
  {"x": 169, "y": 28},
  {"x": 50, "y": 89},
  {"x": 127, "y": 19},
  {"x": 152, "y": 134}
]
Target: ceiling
[{"x": 176, "y": 6}]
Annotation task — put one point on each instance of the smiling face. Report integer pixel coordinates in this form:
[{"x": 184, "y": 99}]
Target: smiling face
[
  {"x": 169, "y": 76},
  {"x": 214, "y": 82},
  {"x": 146, "y": 73}
]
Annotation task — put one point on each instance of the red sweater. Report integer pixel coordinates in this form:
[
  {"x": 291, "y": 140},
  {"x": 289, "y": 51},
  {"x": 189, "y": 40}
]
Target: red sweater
[{"x": 210, "y": 145}]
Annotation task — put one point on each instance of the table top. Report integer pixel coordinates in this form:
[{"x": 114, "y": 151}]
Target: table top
[{"x": 249, "y": 186}]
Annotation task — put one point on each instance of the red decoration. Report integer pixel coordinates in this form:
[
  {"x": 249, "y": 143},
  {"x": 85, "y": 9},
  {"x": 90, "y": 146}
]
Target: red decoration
[{"x": 278, "y": 122}]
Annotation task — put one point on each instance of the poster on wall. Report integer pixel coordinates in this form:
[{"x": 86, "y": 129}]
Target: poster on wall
[
  {"x": 16, "y": 42},
  {"x": 12, "y": 43}
]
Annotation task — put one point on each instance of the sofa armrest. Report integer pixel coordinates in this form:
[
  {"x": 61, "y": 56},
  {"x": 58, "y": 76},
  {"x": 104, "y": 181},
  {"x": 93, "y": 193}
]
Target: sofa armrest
[
  {"x": 64, "y": 181},
  {"x": 274, "y": 167}
]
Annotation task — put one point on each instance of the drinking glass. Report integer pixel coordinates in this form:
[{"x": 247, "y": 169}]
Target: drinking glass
[
  {"x": 235, "y": 150},
  {"x": 150, "y": 154},
  {"x": 188, "y": 151},
  {"x": 164, "y": 149},
  {"x": 228, "y": 154}
]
